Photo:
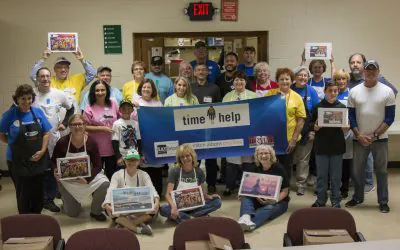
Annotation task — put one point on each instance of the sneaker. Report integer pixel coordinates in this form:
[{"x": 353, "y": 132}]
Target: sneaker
[
  {"x": 211, "y": 190},
  {"x": 144, "y": 229},
  {"x": 352, "y": 203},
  {"x": 51, "y": 206},
  {"x": 311, "y": 180},
  {"x": 246, "y": 224},
  {"x": 369, "y": 188},
  {"x": 98, "y": 217},
  {"x": 384, "y": 208},
  {"x": 345, "y": 194},
  {"x": 227, "y": 192},
  {"x": 300, "y": 191},
  {"x": 316, "y": 204}
]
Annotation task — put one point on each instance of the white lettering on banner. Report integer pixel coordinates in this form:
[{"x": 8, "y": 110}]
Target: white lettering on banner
[
  {"x": 218, "y": 144},
  {"x": 233, "y": 115},
  {"x": 165, "y": 148}
]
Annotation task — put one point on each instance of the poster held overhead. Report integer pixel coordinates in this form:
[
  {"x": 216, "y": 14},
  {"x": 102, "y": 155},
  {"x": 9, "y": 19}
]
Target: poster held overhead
[{"x": 62, "y": 42}]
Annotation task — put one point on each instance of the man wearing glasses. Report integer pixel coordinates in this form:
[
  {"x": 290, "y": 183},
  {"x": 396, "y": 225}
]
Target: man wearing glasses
[
  {"x": 71, "y": 84},
  {"x": 51, "y": 101}
]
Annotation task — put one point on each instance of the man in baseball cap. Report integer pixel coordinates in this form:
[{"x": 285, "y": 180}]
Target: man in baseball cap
[
  {"x": 164, "y": 84},
  {"x": 201, "y": 54}
]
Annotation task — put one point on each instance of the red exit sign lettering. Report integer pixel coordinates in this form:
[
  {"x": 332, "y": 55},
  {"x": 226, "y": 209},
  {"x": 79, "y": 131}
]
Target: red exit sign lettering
[{"x": 200, "y": 11}]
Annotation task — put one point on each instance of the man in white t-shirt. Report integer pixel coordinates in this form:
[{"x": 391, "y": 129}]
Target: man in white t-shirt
[
  {"x": 371, "y": 112},
  {"x": 52, "y": 101}
]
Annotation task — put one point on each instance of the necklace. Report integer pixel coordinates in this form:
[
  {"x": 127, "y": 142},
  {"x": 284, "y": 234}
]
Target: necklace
[{"x": 226, "y": 80}]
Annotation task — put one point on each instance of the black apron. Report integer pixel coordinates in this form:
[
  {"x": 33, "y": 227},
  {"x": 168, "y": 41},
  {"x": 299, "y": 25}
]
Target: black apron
[{"x": 28, "y": 142}]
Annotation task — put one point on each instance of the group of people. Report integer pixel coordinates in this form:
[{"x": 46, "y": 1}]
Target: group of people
[{"x": 51, "y": 121}]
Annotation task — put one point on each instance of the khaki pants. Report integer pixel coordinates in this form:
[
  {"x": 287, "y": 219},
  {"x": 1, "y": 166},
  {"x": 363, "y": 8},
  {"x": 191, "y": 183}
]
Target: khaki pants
[{"x": 301, "y": 159}]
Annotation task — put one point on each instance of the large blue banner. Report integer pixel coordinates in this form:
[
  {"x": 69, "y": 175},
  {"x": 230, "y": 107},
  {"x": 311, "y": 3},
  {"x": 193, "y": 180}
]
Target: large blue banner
[{"x": 215, "y": 130}]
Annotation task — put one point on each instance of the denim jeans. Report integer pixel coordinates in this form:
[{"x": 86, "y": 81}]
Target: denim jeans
[
  {"x": 329, "y": 170},
  {"x": 210, "y": 206},
  {"x": 261, "y": 213},
  {"x": 50, "y": 187},
  {"x": 379, "y": 150},
  {"x": 369, "y": 171}
]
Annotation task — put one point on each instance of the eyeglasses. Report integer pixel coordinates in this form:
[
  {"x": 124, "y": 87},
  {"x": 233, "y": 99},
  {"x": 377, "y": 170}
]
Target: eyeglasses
[
  {"x": 77, "y": 125},
  {"x": 62, "y": 67}
]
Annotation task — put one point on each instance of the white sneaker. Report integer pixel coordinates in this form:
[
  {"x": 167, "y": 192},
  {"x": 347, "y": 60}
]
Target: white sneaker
[
  {"x": 246, "y": 224},
  {"x": 311, "y": 180}
]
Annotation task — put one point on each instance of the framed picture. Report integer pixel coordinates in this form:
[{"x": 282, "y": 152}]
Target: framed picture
[
  {"x": 333, "y": 117},
  {"x": 132, "y": 200},
  {"x": 74, "y": 167},
  {"x": 260, "y": 186},
  {"x": 318, "y": 51},
  {"x": 188, "y": 199},
  {"x": 62, "y": 42}
]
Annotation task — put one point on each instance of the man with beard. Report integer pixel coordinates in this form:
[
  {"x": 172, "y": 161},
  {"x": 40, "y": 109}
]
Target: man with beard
[
  {"x": 356, "y": 65},
  {"x": 201, "y": 54},
  {"x": 164, "y": 84},
  {"x": 225, "y": 80},
  {"x": 186, "y": 70},
  {"x": 207, "y": 93},
  {"x": 104, "y": 74},
  {"x": 51, "y": 100},
  {"x": 371, "y": 112}
]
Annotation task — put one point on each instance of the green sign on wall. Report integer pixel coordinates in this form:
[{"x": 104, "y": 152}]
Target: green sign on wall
[{"x": 112, "y": 39}]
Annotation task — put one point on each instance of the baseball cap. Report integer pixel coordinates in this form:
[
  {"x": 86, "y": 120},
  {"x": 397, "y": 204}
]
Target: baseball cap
[
  {"x": 63, "y": 60},
  {"x": 200, "y": 44},
  {"x": 132, "y": 154},
  {"x": 371, "y": 62},
  {"x": 101, "y": 68},
  {"x": 125, "y": 101},
  {"x": 156, "y": 60}
]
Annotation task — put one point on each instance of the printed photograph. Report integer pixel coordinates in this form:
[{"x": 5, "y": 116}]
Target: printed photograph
[
  {"x": 318, "y": 51},
  {"x": 74, "y": 167},
  {"x": 63, "y": 42},
  {"x": 188, "y": 199},
  {"x": 333, "y": 117},
  {"x": 132, "y": 200},
  {"x": 260, "y": 185}
]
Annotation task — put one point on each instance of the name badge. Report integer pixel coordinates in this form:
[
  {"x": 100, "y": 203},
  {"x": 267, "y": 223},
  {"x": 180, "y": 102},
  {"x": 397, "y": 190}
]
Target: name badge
[{"x": 207, "y": 99}]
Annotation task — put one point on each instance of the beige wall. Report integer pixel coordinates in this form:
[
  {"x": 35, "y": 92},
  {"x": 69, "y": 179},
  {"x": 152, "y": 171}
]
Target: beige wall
[{"x": 367, "y": 26}]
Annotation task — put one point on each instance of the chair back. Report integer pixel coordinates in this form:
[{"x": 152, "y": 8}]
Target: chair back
[
  {"x": 103, "y": 239},
  {"x": 319, "y": 218},
  {"x": 30, "y": 225},
  {"x": 199, "y": 228}
]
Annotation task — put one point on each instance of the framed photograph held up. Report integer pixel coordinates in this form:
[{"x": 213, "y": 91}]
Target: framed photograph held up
[
  {"x": 62, "y": 42},
  {"x": 260, "y": 186},
  {"x": 132, "y": 200},
  {"x": 74, "y": 167},
  {"x": 188, "y": 199},
  {"x": 333, "y": 117},
  {"x": 318, "y": 51}
]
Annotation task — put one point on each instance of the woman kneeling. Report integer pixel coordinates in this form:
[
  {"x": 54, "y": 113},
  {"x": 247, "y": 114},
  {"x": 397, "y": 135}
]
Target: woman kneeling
[{"x": 256, "y": 211}]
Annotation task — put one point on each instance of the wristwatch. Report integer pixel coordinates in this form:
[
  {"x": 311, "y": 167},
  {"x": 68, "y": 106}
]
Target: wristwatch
[{"x": 376, "y": 135}]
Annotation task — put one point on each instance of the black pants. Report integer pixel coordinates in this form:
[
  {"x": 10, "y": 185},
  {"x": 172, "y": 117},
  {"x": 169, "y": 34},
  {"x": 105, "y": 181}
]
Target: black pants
[
  {"x": 312, "y": 163},
  {"x": 9, "y": 165},
  {"x": 29, "y": 193},
  {"x": 156, "y": 177},
  {"x": 110, "y": 165},
  {"x": 287, "y": 162},
  {"x": 211, "y": 170},
  {"x": 346, "y": 173}
]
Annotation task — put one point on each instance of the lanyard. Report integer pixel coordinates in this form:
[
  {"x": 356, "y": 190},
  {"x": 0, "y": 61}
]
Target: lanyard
[{"x": 137, "y": 178}]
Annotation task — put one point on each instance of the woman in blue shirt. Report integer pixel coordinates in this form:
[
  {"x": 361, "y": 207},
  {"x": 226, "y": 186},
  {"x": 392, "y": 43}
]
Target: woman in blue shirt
[{"x": 25, "y": 129}]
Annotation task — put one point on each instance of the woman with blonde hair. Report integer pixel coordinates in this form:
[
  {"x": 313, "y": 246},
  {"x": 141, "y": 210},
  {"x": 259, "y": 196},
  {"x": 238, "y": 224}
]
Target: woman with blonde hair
[
  {"x": 256, "y": 211},
  {"x": 183, "y": 95},
  {"x": 187, "y": 175}
]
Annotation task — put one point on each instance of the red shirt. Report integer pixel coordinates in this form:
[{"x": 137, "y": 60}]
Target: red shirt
[{"x": 262, "y": 91}]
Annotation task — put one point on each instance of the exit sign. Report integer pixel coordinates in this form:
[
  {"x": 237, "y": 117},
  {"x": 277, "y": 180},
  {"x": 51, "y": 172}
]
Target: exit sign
[{"x": 200, "y": 11}]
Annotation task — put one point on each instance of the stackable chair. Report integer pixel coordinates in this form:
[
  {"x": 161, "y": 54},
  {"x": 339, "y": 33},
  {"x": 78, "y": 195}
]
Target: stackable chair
[
  {"x": 319, "y": 218},
  {"x": 198, "y": 229},
  {"x": 32, "y": 225},
  {"x": 103, "y": 239}
]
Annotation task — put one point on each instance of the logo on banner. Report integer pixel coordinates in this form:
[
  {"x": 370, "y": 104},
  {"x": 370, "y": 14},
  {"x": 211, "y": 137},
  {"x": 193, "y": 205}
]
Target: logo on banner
[
  {"x": 223, "y": 116},
  {"x": 166, "y": 148},
  {"x": 254, "y": 141}
]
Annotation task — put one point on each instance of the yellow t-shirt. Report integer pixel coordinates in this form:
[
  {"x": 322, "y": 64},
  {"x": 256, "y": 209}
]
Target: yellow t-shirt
[
  {"x": 294, "y": 109},
  {"x": 129, "y": 89},
  {"x": 75, "y": 83}
]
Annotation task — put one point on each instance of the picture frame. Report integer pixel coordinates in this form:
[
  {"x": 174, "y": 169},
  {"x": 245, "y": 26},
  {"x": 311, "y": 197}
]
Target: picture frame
[
  {"x": 260, "y": 186},
  {"x": 321, "y": 51},
  {"x": 132, "y": 200},
  {"x": 62, "y": 42},
  {"x": 72, "y": 168},
  {"x": 188, "y": 199},
  {"x": 333, "y": 117}
]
